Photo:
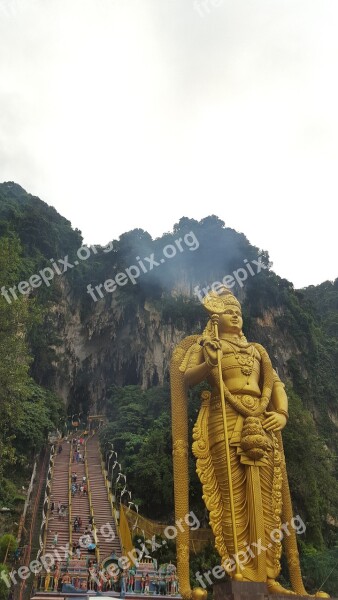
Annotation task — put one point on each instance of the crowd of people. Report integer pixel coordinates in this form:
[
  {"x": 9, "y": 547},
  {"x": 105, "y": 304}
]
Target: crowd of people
[
  {"x": 158, "y": 582},
  {"x": 96, "y": 577},
  {"x": 61, "y": 509},
  {"x": 77, "y": 444},
  {"x": 79, "y": 487}
]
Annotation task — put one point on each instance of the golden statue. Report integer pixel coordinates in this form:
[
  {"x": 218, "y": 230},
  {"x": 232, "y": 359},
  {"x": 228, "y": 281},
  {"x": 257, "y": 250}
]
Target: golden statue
[
  {"x": 238, "y": 433},
  {"x": 47, "y": 580}
]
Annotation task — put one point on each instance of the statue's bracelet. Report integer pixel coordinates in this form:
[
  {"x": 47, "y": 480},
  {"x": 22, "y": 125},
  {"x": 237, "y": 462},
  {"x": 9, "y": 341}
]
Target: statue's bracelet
[
  {"x": 280, "y": 411},
  {"x": 210, "y": 363}
]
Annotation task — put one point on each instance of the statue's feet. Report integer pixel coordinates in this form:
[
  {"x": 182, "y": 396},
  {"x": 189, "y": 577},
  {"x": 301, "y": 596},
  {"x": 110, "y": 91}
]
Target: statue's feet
[
  {"x": 199, "y": 594},
  {"x": 276, "y": 588}
]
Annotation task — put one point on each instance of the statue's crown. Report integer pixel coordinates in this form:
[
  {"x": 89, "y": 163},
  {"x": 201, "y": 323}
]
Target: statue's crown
[{"x": 217, "y": 302}]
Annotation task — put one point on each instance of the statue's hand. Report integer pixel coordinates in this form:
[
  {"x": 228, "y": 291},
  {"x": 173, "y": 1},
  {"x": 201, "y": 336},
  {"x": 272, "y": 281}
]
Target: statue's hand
[
  {"x": 274, "y": 421},
  {"x": 210, "y": 350}
]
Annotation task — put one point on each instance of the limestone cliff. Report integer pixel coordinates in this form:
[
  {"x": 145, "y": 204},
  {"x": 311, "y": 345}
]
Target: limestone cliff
[{"x": 131, "y": 344}]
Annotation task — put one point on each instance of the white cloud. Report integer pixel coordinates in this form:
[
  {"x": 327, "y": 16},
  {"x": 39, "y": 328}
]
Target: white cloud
[{"x": 135, "y": 113}]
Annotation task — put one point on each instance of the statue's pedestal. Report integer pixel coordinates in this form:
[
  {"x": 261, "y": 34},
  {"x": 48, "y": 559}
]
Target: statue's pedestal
[
  {"x": 247, "y": 590},
  {"x": 240, "y": 590}
]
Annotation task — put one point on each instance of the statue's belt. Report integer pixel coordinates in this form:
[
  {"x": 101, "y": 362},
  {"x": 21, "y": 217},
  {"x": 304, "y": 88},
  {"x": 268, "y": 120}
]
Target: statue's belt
[
  {"x": 244, "y": 404},
  {"x": 252, "y": 441}
]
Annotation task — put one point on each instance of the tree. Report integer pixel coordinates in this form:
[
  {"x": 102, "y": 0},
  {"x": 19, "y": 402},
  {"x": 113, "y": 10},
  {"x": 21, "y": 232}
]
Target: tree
[
  {"x": 4, "y": 590},
  {"x": 14, "y": 355},
  {"x": 27, "y": 411},
  {"x": 8, "y": 544}
]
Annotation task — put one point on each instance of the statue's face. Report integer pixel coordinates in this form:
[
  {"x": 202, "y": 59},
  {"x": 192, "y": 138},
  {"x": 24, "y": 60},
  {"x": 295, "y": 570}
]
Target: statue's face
[{"x": 231, "y": 320}]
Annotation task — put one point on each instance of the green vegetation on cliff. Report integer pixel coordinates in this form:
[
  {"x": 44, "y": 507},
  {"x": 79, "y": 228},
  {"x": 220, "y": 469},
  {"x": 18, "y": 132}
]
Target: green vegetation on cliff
[{"x": 27, "y": 411}]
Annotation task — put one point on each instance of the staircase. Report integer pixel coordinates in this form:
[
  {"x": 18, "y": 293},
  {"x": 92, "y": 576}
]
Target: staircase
[
  {"x": 104, "y": 521},
  {"x": 65, "y": 464},
  {"x": 59, "y": 492},
  {"x": 96, "y": 504},
  {"x": 80, "y": 504}
]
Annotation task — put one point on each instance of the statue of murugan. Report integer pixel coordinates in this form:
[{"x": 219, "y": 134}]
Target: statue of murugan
[{"x": 239, "y": 451}]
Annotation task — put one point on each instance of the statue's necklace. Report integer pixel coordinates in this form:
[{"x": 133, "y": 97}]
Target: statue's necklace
[{"x": 244, "y": 359}]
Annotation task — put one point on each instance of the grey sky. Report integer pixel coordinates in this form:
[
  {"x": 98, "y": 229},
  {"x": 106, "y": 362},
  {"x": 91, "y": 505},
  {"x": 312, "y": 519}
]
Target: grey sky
[{"x": 133, "y": 113}]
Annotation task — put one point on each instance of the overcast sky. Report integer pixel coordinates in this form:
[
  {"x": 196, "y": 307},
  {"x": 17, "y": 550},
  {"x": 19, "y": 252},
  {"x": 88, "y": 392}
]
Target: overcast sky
[{"x": 134, "y": 113}]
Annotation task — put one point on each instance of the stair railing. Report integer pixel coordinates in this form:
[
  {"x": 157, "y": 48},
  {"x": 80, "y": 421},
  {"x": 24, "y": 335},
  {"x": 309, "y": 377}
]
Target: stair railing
[
  {"x": 110, "y": 497},
  {"x": 70, "y": 469},
  {"x": 96, "y": 540},
  {"x": 50, "y": 475}
]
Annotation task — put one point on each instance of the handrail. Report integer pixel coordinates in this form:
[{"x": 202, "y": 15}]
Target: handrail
[
  {"x": 110, "y": 497},
  {"x": 32, "y": 526},
  {"x": 70, "y": 495},
  {"x": 49, "y": 485},
  {"x": 96, "y": 540},
  {"x": 45, "y": 502},
  {"x": 27, "y": 502}
]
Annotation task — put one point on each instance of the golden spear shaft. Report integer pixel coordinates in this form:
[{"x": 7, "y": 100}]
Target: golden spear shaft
[{"x": 214, "y": 319}]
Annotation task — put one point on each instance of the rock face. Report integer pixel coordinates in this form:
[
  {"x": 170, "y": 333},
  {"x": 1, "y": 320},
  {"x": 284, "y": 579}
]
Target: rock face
[
  {"x": 281, "y": 346},
  {"x": 116, "y": 343},
  {"x": 121, "y": 342}
]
